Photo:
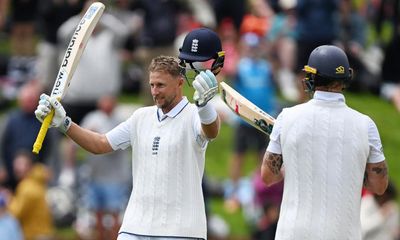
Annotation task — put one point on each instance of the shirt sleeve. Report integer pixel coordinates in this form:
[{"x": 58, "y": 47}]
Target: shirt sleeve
[
  {"x": 274, "y": 145},
  {"x": 375, "y": 145},
  {"x": 120, "y": 136},
  {"x": 198, "y": 132}
]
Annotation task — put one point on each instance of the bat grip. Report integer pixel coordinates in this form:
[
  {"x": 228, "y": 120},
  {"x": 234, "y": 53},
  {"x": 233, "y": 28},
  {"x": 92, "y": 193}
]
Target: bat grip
[{"x": 42, "y": 133}]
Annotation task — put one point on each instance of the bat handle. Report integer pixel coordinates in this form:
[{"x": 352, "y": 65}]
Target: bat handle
[{"x": 42, "y": 133}]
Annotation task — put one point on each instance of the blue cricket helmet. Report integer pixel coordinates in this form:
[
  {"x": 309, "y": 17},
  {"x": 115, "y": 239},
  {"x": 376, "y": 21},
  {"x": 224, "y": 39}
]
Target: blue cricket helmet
[
  {"x": 327, "y": 63},
  {"x": 200, "y": 45}
]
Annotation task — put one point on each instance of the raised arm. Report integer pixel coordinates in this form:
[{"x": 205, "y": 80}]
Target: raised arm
[
  {"x": 93, "y": 142},
  {"x": 376, "y": 177},
  {"x": 271, "y": 168}
]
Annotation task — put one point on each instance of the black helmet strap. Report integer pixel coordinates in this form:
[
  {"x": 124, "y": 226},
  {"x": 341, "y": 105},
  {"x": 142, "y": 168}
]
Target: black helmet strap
[
  {"x": 218, "y": 64},
  {"x": 309, "y": 83}
]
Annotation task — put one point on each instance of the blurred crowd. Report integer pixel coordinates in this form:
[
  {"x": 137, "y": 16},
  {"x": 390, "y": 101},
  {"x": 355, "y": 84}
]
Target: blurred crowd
[{"x": 267, "y": 43}]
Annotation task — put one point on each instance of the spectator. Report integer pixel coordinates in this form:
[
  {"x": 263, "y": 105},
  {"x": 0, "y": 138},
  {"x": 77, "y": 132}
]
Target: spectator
[
  {"x": 383, "y": 14},
  {"x": 19, "y": 71},
  {"x": 21, "y": 23},
  {"x": 9, "y": 226},
  {"x": 390, "y": 210},
  {"x": 3, "y": 13},
  {"x": 316, "y": 25},
  {"x": 18, "y": 18},
  {"x": 132, "y": 72},
  {"x": 352, "y": 39},
  {"x": 372, "y": 221},
  {"x": 258, "y": 20},
  {"x": 109, "y": 175},
  {"x": 390, "y": 88},
  {"x": 255, "y": 82},
  {"x": 21, "y": 129},
  {"x": 203, "y": 13},
  {"x": 29, "y": 203},
  {"x": 267, "y": 201},
  {"x": 23, "y": 26},
  {"x": 225, "y": 9},
  {"x": 281, "y": 39},
  {"x": 158, "y": 34},
  {"x": 266, "y": 226},
  {"x": 230, "y": 43}
]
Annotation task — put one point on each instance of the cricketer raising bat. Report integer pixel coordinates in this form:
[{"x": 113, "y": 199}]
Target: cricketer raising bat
[
  {"x": 245, "y": 109},
  {"x": 69, "y": 63}
]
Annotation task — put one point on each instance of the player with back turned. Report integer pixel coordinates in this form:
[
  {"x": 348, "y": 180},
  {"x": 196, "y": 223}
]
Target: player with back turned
[
  {"x": 168, "y": 141},
  {"x": 326, "y": 152}
]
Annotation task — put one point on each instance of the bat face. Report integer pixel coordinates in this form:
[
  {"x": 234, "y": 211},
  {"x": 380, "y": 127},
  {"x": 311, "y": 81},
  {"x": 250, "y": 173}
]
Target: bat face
[
  {"x": 246, "y": 109},
  {"x": 60, "y": 83},
  {"x": 75, "y": 49}
]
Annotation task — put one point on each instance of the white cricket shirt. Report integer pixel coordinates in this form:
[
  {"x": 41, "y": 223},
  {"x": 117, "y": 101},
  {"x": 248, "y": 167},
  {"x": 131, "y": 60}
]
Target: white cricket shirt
[
  {"x": 325, "y": 147},
  {"x": 168, "y": 154}
]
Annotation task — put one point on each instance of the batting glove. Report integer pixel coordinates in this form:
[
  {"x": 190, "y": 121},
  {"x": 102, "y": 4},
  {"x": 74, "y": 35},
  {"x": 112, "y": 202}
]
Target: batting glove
[
  {"x": 206, "y": 87},
  {"x": 60, "y": 119}
]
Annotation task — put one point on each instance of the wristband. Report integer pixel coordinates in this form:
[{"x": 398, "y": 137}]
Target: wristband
[
  {"x": 65, "y": 125},
  {"x": 207, "y": 114}
]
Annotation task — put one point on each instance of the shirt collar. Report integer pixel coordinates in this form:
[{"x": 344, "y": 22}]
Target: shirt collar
[
  {"x": 329, "y": 96},
  {"x": 173, "y": 112}
]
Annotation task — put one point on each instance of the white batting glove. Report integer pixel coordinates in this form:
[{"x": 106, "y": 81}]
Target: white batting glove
[
  {"x": 60, "y": 119},
  {"x": 206, "y": 87}
]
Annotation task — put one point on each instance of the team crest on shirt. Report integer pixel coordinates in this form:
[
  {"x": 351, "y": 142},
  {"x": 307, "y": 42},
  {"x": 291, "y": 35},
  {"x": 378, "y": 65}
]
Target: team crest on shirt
[{"x": 156, "y": 143}]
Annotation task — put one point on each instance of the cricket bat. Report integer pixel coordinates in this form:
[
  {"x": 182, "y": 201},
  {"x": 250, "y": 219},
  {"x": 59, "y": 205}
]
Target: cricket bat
[
  {"x": 69, "y": 63},
  {"x": 245, "y": 109}
]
